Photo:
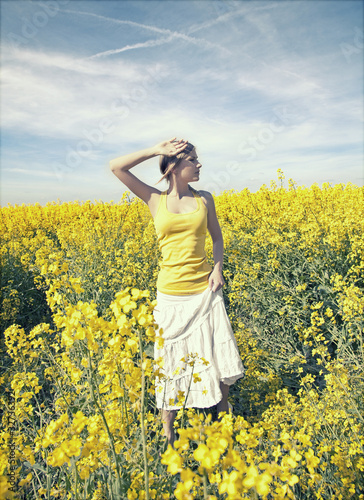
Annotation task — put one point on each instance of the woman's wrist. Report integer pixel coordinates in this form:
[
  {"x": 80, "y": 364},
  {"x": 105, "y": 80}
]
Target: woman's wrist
[
  {"x": 156, "y": 150},
  {"x": 153, "y": 151},
  {"x": 129, "y": 161}
]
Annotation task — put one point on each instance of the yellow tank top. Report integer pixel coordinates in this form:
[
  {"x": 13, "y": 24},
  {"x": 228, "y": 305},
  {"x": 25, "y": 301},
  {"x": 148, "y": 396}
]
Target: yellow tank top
[{"x": 184, "y": 269}]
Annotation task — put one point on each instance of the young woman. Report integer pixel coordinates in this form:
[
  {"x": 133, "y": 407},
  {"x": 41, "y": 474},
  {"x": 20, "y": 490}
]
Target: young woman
[{"x": 200, "y": 354}]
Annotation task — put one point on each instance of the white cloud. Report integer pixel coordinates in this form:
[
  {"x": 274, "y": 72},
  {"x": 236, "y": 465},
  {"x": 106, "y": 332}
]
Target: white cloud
[
  {"x": 58, "y": 60},
  {"x": 141, "y": 45},
  {"x": 29, "y": 172},
  {"x": 172, "y": 35},
  {"x": 223, "y": 91},
  {"x": 55, "y": 95}
]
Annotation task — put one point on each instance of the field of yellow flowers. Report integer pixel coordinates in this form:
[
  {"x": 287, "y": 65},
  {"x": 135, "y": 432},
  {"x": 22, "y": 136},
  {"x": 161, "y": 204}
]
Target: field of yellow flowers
[{"x": 77, "y": 372}]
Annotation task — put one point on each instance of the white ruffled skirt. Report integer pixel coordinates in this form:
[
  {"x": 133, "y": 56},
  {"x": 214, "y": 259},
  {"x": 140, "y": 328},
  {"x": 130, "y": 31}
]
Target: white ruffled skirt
[{"x": 199, "y": 350}]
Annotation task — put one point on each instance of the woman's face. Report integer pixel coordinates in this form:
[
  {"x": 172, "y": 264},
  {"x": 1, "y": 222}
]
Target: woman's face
[{"x": 189, "y": 168}]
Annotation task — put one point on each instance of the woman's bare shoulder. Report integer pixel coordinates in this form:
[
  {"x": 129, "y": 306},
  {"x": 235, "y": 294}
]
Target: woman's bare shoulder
[
  {"x": 154, "y": 202},
  {"x": 206, "y": 197}
]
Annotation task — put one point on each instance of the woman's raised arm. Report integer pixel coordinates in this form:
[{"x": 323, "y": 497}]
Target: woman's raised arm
[{"x": 121, "y": 166}]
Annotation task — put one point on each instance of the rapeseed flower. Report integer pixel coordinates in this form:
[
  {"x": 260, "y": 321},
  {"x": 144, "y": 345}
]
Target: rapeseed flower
[{"x": 78, "y": 295}]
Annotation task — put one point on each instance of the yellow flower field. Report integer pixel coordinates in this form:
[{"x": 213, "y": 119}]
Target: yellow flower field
[{"x": 77, "y": 373}]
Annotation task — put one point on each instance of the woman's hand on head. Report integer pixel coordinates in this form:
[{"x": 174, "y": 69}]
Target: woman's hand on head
[
  {"x": 172, "y": 147},
  {"x": 216, "y": 280}
]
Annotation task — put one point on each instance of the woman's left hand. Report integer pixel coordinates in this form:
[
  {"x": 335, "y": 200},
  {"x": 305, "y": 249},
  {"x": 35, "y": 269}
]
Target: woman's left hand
[{"x": 216, "y": 280}]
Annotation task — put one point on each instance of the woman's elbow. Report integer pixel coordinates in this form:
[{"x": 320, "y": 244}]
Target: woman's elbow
[{"x": 218, "y": 239}]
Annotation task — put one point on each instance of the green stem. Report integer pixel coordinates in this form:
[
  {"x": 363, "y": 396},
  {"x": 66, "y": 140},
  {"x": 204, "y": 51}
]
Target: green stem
[
  {"x": 254, "y": 494},
  {"x": 48, "y": 480},
  {"x": 185, "y": 402},
  {"x": 76, "y": 477},
  {"x": 35, "y": 491},
  {"x": 124, "y": 409},
  {"x": 103, "y": 418},
  {"x": 204, "y": 479},
  {"x": 54, "y": 363},
  {"x": 142, "y": 417}
]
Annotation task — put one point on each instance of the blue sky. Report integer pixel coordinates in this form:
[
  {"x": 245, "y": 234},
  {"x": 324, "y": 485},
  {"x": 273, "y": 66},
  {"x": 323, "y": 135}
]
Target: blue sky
[{"x": 255, "y": 85}]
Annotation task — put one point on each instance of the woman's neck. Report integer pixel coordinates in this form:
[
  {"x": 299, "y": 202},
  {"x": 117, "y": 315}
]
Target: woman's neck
[{"x": 178, "y": 189}]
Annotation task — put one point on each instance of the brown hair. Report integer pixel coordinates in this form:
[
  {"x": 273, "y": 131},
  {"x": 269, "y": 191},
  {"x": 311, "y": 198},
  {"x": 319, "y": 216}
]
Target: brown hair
[{"x": 168, "y": 163}]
